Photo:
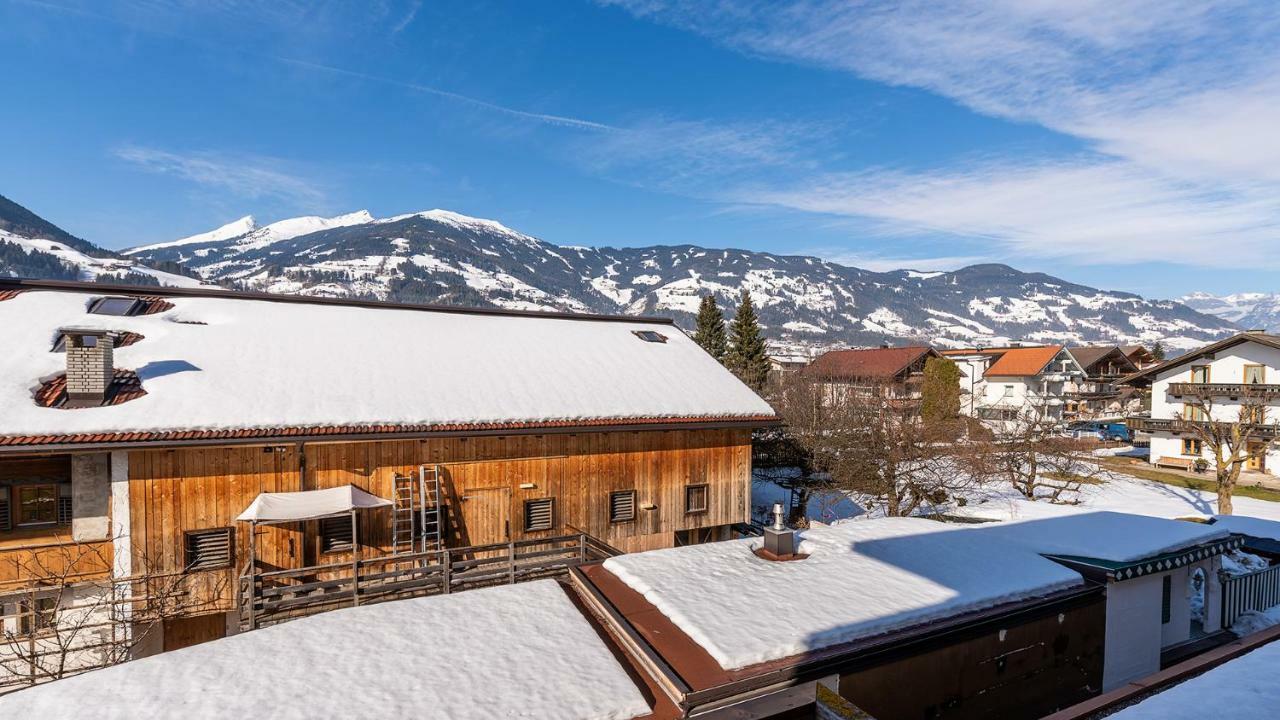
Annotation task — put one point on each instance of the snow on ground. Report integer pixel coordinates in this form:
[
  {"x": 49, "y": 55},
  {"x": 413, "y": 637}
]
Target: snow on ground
[
  {"x": 242, "y": 368},
  {"x": 514, "y": 651},
  {"x": 1241, "y": 689},
  {"x": 1248, "y": 623},
  {"x": 861, "y": 579}
]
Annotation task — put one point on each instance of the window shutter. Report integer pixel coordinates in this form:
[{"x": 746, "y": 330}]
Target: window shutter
[
  {"x": 695, "y": 498},
  {"x": 209, "y": 549},
  {"x": 622, "y": 506},
  {"x": 64, "y": 509},
  {"x": 335, "y": 534},
  {"x": 539, "y": 514},
  {"x": 1166, "y": 599},
  {"x": 4, "y": 509}
]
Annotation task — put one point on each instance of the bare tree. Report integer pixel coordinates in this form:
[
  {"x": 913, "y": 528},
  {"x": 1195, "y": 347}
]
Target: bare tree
[
  {"x": 1231, "y": 440},
  {"x": 70, "y": 616},
  {"x": 872, "y": 442},
  {"x": 1037, "y": 461}
]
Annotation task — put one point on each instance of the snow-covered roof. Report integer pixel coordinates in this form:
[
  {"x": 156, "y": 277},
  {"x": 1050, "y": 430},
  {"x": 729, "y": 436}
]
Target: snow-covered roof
[
  {"x": 220, "y": 363},
  {"x": 513, "y": 651},
  {"x": 1251, "y": 526},
  {"x": 1108, "y": 536},
  {"x": 861, "y": 579},
  {"x": 1242, "y": 689}
]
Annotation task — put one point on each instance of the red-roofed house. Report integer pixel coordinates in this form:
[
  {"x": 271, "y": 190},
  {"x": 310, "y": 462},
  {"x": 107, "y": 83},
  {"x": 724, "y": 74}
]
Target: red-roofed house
[
  {"x": 1004, "y": 385},
  {"x": 894, "y": 372}
]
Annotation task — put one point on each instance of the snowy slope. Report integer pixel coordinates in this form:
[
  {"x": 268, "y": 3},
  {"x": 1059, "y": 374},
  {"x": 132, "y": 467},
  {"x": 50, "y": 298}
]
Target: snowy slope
[
  {"x": 521, "y": 651},
  {"x": 1248, "y": 310},
  {"x": 233, "y": 229},
  {"x": 81, "y": 266},
  {"x": 442, "y": 256}
]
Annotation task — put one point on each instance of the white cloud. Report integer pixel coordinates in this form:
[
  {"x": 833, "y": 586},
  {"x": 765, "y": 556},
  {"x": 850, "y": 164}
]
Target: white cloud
[
  {"x": 1176, "y": 98},
  {"x": 244, "y": 175}
]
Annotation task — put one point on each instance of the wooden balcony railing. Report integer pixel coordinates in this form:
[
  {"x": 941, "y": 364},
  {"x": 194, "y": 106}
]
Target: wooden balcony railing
[
  {"x": 1227, "y": 390},
  {"x": 266, "y": 598},
  {"x": 1265, "y": 431}
]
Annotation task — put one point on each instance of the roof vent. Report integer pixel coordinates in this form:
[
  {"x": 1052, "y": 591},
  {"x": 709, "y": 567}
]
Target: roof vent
[
  {"x": 1256, "y": 330},
  {"x": 90, "y": 365},
  {"x": 779, "y": 540}
]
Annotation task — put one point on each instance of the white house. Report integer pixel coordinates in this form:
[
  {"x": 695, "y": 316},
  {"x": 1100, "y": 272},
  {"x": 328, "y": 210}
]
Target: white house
[
  {"x": 1213, "y": 383},
  {"x": 1003, "y": 386}
]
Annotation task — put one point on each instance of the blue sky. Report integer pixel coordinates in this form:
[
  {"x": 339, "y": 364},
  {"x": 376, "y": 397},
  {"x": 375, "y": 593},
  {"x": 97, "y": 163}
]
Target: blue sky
[{"x": 1125, "y": 145}]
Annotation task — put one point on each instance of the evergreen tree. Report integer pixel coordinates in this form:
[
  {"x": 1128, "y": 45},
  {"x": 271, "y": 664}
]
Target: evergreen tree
[
  {"x": 1157, "y": 351},
  {"x": 747, "y": 357},
  {"x": 940, "y": 391},
  {"x": 710, "y": 333}
]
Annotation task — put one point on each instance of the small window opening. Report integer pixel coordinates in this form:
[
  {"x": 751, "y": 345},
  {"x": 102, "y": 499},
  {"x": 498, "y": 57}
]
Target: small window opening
[
  {"x": 539, "y": 514},
  {"x": 650, "y": 336},
  {"x": 335, "y": 534},
  {"x": 118, "y": 306},
  {"x": 622, "y": 506},
  {"x": 695, "y": 499},
  {"x": 209, "y": 549}
]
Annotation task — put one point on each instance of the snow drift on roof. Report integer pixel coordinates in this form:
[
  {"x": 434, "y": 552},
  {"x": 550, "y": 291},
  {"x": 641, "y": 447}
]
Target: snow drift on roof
[
  {"x": 262, "y": 364},
  {"x": 1110, "y": 536},
  {"x": 1251, "y": 526},
  {"x": 513, "y": 651},
  {"x": 862, "y": 578},
  {"x": 1242, "y": 689}
]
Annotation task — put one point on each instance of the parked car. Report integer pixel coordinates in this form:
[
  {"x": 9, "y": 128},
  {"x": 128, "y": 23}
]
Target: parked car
[{"x": 1094, "y": 430}]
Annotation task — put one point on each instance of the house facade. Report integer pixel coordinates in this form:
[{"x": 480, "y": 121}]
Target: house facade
[
  {"x": 139, "y": 427},
  {"x": 894, "y": 373},
  {"x": 1219, "y": 382},
  {"x": 1097, "y": 394},
  {"x": 1006, "y": 387}
]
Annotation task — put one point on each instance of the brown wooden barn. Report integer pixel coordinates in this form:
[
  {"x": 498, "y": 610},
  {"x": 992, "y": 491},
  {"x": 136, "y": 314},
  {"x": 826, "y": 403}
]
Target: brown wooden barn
[{"x": 138, "y": 426}]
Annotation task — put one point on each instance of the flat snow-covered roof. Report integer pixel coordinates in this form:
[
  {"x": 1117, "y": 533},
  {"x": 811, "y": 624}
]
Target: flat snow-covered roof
[
  {"x": 514, "y": 651},
  {"x": 1242, "y": 689},
  {"x": 254, "y": 364},
  {"x": 861, "y": 579},
  {"x": 1110, "y": 536},
  {"x": 1251, "y": 526}
]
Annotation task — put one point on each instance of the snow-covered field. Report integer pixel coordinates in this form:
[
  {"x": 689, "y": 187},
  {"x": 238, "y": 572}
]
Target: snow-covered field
[
  {"x": 515, "y": 651},
  {"x": 1242, "y": 689}
]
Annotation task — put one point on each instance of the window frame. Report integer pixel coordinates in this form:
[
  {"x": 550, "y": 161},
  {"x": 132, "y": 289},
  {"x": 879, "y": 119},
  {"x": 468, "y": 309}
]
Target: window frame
[
  {"x": 95, "y": 306},
  {"x": 16, "y": 507},
  {"x": 706, "y": 498},
  {"x": 1192, "y": 442},
  {"x": 634, "y": 513},
  {"x": 1262, "y": 373},
  {"x": 324, "y": 535},
  {"x": 650, "y": 336},
  {"x": 188, "y": 566},
  {"x": 1207, "y": 374},
  {"x": 551, "y": 514},
  {"x": 40, "y": 621}
]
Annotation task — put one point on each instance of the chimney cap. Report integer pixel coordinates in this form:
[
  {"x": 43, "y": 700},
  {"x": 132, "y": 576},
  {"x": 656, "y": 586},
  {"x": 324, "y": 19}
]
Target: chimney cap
[{"x": 95, "y": 332}]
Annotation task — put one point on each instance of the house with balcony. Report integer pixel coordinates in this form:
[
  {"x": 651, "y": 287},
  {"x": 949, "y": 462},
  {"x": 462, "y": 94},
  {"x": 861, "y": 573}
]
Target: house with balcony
[
  {"x": 895, "y": 373},
  {"x": 1236, "y": 380},
  {"x": 1008, "y": 386},
  {"x": 253, "y": 456},
  {"x": 1097, "y": 394}
]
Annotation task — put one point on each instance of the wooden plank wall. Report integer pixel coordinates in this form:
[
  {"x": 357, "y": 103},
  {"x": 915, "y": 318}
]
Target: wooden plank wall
[{"x": 172, "y": 491}]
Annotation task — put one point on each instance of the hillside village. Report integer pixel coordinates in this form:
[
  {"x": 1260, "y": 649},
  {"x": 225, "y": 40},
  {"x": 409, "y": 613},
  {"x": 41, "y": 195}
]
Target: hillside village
[{"x": 187, "y": 490}]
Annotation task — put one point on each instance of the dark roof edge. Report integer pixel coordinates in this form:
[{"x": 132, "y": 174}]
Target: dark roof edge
[
  {"x": 1262, "y": 338},
  {"x": 164, "y": 291},
  {"x": 284, "y": 436}
]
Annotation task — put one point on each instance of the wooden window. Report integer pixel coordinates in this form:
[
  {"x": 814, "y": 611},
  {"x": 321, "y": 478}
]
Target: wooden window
[
  {"x": 1191, "y": 446},
  {"x": 5, "y": 522},
  {"x": 622, "y": 506},
  {"x": 1199, "y": 373},
  {"x": 539, "y": 514},
  {"x": 36, "y": 504},
  {"x": 650, "y": 336},
  {"x": 1255, "y": 374},
  {"x": 695, "y": 499},
  {"x": 1194, "y": 413},
  {"x": 1166, "y": 599},
  {"x": 36, "y": 616},
  {"x": 209, "y": 549},
  {"x": 335, "y": 534}
]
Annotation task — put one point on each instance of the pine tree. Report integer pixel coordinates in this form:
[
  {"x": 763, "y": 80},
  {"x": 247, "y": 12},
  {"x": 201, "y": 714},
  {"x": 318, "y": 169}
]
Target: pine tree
[
  {"x": 940, "y": 391},
  {"x": 710, "y": 333},
  {"x": 1157, "y": 351},
  {"x": 747, "y": 357}
]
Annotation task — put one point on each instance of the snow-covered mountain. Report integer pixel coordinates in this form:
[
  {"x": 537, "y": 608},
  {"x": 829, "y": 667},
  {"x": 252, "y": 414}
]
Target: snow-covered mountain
[
  {"x": 30, "y": 246},
  {"x": 1252, "y": 310},
  {"x": 443, "y": 257}
]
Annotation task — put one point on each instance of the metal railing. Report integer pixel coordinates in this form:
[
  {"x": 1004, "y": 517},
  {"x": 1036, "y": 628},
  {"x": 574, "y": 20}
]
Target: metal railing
[
  {"x": 1257, "y": 590},
  {"x": 266, "y": 598}
]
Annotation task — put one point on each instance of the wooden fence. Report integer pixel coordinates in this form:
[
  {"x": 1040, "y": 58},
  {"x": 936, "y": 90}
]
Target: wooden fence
[
  {"x": 1257, "y": 590},
  {"x": 266, "y": 598}
]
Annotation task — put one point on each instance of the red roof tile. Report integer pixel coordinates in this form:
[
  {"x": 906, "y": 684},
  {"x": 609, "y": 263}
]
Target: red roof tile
[
  {"x": 1023, "y": 362},
  {"x": 869, "y": 364}
]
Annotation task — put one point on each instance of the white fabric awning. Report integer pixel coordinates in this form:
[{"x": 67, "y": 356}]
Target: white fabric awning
[{"x": 309, "y": 504}]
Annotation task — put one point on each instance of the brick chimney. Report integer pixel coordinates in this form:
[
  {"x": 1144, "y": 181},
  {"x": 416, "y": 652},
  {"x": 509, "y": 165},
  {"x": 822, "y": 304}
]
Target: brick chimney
[{"x": 90, "y": 365}]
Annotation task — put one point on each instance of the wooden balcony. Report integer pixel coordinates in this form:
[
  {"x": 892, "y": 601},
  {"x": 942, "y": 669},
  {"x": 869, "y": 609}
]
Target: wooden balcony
[
  {"x": 1179, "y": 426},
  {"x": 1227, "y": 390},
  {"x": 266, "y": 598}
]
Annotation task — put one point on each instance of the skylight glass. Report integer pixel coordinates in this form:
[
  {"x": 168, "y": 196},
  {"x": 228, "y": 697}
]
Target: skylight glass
[{"x": 119, "y": 306}]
